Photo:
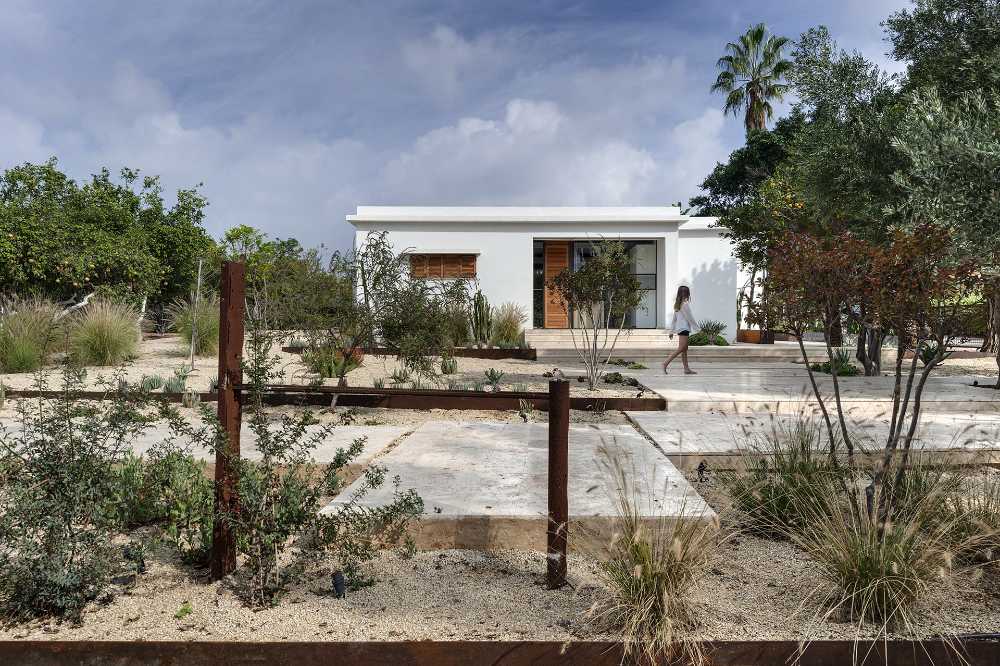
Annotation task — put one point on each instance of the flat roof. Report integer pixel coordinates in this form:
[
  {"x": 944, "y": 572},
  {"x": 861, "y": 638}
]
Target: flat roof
[{"x": 609, "y": 214}]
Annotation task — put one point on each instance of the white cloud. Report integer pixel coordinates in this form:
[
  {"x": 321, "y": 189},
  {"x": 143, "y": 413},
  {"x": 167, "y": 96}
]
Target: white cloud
[{"x": 444, "y": 58}]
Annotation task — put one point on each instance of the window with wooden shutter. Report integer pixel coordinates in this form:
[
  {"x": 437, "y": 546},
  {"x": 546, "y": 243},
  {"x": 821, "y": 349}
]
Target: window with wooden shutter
[{"x": 430, "y": 266}]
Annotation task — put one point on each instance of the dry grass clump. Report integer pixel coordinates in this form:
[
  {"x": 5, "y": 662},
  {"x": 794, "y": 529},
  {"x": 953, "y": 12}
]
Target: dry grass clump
[
  {"x": 787, "y": 474},
  {"x": 977, "y": 526},
  {"x": 508, "y": 321},
  {"x": 877, "y": 571},
  {"x": 29, "y": 333},
  {"x": 649, "y": 572},
  {"x": 200, "y": 320},
  {"x": 104, "y": 333}
]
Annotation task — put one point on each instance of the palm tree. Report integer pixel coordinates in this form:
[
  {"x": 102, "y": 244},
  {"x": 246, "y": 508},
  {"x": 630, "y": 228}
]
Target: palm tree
[{"x": 751, "y": 75}]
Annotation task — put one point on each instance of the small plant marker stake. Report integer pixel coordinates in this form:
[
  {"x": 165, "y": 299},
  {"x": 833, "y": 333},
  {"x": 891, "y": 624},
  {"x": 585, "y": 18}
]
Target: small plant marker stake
[
  {"x": 558, "y": 483},
  {"x": 231, "y": 306}
]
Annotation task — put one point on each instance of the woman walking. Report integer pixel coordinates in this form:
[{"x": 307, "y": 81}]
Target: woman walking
[{"x": 682, "y": 323}]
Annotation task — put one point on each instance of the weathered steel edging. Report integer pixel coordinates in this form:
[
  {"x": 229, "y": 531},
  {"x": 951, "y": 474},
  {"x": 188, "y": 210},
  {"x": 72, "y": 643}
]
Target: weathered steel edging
[{"x": 447, "y": 653}]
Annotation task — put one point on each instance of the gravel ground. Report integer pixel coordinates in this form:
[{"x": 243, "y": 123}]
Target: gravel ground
[
  {"x": 380, "y": 416},
  {"x": 161, "y": 356},
  {"x": 968, "y": 366},
  {"x": 440, "y": 595}
]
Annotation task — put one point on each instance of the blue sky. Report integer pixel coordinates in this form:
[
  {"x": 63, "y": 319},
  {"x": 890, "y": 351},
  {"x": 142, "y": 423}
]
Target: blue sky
[{"x": 292, "y": 113}]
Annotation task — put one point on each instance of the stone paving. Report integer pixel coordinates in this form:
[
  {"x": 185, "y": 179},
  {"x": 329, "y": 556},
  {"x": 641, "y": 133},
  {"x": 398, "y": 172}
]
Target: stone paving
[
  {"x": 784, "y": 388},
  {"x": 484, "y": 485}
]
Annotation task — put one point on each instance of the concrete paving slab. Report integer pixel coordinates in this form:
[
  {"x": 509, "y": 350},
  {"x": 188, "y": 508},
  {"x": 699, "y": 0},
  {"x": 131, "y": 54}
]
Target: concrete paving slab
[
  {"x": 759, "y": 391},
  {"x": 484, "y": 485},
  {"x": 687, "y": 439}
]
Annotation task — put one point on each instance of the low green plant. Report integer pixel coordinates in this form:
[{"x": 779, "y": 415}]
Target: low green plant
[
  {"x": 975, "y": 513},
  {"x": 841, "y": 363},
  {"x": 104, "y": 333},
  {"x": 328, "y": 362},
  {"x": 703, "y": 339},
  {"x": 185, "y": 610},
  {"x": 508, "y": 322},
  {"x": 200, "y": 320},
  {"x": 619, "y": 378},
  {"x": 178, "y": 382},
  {"x": 378, "y": 382},
  {"x": 712, "y": 328},
  {"x": 784, "y": 470},
  {"x": 149, "y": 383},
  {"x": 928, "y": 353},
  {"x": 399, "y": 376},
  {"x": 494, "y": 377},
  {"x": 449, "y": 365}
]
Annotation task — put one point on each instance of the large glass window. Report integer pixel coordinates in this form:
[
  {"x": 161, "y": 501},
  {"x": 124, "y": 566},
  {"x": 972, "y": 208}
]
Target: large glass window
[{"x": 642, "y": 259}]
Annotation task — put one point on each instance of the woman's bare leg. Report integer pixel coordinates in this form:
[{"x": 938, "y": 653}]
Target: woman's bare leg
[
  {"x": 684, "y": 357},
  {"x": 670, "y": 359}
]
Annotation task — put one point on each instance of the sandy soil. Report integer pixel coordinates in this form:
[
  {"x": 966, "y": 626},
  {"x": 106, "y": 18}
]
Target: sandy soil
[
  {"x": 378, "y": 416},
  {"x": 162, "y": 356},
  {"x": 968, "y": 366},
  {"x": 441, "y": 595}
]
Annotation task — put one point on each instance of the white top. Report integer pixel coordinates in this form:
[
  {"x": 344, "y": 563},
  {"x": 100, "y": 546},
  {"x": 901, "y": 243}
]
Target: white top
[{"x": 683, "y": 319}]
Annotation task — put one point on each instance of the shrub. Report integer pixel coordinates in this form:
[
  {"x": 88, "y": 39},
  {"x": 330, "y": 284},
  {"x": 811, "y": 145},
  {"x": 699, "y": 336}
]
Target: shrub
[
  {"x": 457, "y": 323},
  {"x": 649, "y": 571},
  {"x": 170, "y": 488},
  {"x": 104, "y": 333},
  {"x": 29, "y": 333},
  {"x": 976, "y": 515},
  {"x": 508, "y": 320},
  {"x": 61, "y": 510},
  {"x": 202, "y": 320},
  {"x": 786, "y": 469}
]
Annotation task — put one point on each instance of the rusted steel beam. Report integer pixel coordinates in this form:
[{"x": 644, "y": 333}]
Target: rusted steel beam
[
  {"x": 558, "y": 483},
  {"x": 508, "y": 653},
  {"x": 231, "y": 306}
]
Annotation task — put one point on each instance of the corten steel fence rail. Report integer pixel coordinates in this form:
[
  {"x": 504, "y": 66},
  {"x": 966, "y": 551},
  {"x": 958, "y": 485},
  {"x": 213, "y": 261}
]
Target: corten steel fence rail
[
  {"x": 231, "y": 387},
  {"x": 455, "y": 653}
]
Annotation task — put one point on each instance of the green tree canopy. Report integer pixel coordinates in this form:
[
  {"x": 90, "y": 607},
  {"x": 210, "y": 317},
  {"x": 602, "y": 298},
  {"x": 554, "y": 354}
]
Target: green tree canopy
[
  {"x": 62, "y": 240},
  {"x": 953, "y": 45}
]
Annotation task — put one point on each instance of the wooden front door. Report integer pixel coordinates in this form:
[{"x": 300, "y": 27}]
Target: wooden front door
[{"x": 556, "y": 261}]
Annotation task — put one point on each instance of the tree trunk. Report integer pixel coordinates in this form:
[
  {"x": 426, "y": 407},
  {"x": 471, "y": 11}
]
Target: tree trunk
[{"x": 991, "y": 340}]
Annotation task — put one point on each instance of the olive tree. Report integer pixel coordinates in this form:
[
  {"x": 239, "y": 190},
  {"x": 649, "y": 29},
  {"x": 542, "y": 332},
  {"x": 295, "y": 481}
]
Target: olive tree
[
  {"x": 952, "y": 182},
  {"x": 600, "y": 293}
]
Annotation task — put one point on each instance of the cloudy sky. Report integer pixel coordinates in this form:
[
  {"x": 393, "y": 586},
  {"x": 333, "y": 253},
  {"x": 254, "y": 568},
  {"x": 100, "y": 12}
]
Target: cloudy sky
[{"x": 292, "y": 112}]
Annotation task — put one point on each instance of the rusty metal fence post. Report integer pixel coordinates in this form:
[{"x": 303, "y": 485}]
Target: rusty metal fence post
[
  {"x": 558, "y": 483},
  {"x": 231, "y": 306}
]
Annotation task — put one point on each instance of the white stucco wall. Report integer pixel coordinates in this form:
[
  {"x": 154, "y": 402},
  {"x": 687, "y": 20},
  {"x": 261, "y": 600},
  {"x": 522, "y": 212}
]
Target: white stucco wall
[
  {"x": 697, "y": 257},
  {"x": 707, "y": 266}
]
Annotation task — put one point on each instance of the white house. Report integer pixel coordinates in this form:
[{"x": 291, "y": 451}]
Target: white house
[{"x": 512, "y": 250}]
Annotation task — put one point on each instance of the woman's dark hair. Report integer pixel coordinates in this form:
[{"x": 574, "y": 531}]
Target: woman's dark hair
[{"x": 683, "y": 294}]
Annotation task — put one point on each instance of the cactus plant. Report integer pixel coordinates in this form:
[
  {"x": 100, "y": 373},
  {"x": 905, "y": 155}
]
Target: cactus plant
[
  {"x": 449, "y": 365},
  {"x": 482, "y": 319}
]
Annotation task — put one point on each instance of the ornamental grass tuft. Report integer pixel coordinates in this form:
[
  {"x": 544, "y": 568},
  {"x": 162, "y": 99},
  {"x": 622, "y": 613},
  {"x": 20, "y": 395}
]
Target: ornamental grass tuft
[{"x": 104, "y": 333}]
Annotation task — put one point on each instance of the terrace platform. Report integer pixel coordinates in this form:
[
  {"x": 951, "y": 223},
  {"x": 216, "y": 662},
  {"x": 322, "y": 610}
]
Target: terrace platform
[
  {"x": 783, "y": 388},
  {"x": 484, "y": 485},
  {"x": 688, "y": 439}
]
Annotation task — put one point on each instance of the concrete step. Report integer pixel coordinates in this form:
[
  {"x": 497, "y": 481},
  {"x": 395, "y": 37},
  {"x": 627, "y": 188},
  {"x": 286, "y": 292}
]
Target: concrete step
[{"x": 733, "y": 353}]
